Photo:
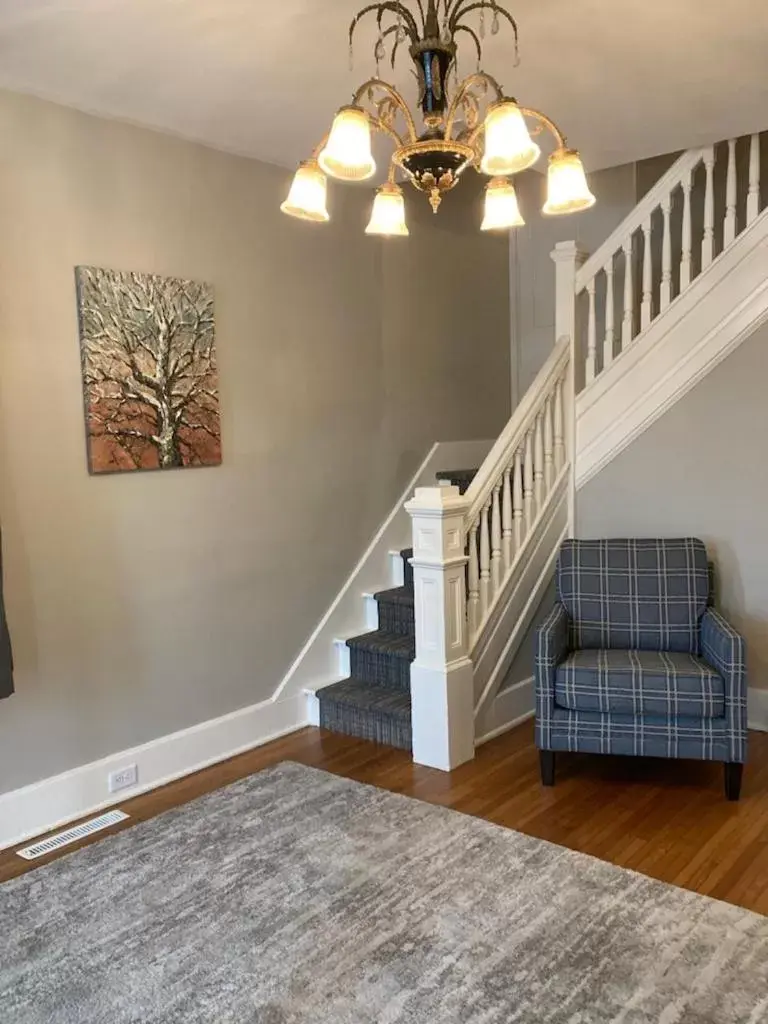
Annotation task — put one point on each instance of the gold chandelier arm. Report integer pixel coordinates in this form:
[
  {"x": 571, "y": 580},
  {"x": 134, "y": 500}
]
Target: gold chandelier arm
[
  {"x": 320, "y": 146},
  {"x": 548, "y": 123},
  {"x": 402, "y": 106},
  {"x": 478, "y": 78},
  {"x": 386, "y": 129}
]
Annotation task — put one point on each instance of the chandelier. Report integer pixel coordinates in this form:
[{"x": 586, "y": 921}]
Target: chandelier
[{"x": 455, "y": 136}]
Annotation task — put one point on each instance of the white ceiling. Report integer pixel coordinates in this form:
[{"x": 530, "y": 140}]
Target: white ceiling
[{"x": 623, "y": 78}]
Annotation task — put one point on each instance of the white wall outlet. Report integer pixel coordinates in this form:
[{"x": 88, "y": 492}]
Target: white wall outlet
[{"x": 123, "y": 778}]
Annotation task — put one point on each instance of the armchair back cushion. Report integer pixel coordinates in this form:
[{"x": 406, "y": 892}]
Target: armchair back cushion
[{"x": 629, "y": 594}]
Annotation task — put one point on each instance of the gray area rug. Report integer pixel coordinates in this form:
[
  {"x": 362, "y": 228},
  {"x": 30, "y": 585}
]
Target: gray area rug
[{"x": 296, "y": 897}]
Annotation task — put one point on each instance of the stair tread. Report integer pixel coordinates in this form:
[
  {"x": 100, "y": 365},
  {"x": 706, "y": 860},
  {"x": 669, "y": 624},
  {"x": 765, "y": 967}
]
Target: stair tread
[
  {"x": 396, "y": 595},
  {"x": 446, "y": 474},
  {"x": 380, "y": 642},
  {"x": 360, "y": 694}
]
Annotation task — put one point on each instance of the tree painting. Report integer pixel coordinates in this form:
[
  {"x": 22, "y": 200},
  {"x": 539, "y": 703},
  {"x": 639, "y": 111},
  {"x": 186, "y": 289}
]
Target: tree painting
[{"x": 149, "y": 371}]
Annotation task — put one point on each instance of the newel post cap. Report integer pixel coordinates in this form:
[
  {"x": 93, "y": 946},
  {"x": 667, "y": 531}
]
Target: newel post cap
[
  {"x": 569, "y": 252},
  {"x": 437, "y": 501}
]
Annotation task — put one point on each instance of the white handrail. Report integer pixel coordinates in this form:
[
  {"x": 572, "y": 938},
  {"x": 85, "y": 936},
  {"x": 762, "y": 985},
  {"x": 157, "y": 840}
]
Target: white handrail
[
  {"x": 498, "y": 458},
  {"x": 635, "y": 220}
]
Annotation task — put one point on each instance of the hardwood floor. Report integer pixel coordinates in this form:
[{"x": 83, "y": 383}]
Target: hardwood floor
[{"x": 667, "y": 819}]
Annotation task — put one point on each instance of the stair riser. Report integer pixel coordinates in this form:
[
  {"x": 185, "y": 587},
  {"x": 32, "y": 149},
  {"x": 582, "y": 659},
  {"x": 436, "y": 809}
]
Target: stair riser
[
  {"x": 366, "y": 725},
  {"x": 397, "y": 618},
  {"x": 380, "y": 668},
  {"x": 407, "y": 571}
]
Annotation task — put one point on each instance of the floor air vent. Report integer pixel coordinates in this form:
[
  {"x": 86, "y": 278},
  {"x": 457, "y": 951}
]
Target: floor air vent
[{"x": 71, "y": 835}]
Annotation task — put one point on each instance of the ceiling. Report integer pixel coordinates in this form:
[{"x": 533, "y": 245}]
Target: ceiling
[{"x": 624, "y": 79}]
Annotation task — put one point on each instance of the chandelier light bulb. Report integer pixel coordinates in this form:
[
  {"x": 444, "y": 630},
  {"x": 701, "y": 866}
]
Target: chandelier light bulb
[
  {"x": 388, "y": 213},
  {"x": 347, "y": 153},
  {"x": 501, "y": 209},
  {"x": 567, "y": 188},
  {"x": 509, "y": 147},
  {"x": 307, "y": 196}
]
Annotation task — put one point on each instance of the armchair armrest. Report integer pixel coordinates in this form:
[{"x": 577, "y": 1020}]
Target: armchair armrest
[
  {"x": 551, "y": 649},
  {"x": 724, "y": 649}
]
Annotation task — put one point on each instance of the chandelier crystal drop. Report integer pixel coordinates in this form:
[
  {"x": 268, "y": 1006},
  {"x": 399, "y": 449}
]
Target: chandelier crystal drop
[{"x": 470, "y": 123}]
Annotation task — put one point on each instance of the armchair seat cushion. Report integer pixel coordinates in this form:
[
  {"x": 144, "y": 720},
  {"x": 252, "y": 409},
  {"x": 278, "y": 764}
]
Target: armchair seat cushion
[{"x": 669, "y": 683}]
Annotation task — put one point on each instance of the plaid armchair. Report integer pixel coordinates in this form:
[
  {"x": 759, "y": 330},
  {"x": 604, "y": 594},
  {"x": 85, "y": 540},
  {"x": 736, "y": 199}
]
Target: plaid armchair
[{"x": 633, "y": 661}]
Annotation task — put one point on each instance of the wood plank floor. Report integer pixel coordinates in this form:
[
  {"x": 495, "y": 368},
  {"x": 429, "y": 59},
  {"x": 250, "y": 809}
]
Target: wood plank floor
[{"x": 667, "y": 819}]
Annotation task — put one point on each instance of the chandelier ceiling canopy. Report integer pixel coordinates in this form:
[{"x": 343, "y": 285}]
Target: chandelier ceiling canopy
[{"x": 467, "y": 123}]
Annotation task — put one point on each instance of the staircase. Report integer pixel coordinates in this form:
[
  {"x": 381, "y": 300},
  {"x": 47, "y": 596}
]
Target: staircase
[
  {"x": 374, "y": 702},
  {"x": 675, "y": 288}
]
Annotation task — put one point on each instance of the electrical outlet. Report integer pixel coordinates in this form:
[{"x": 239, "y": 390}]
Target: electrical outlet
[{"x": 123, "y": 778}]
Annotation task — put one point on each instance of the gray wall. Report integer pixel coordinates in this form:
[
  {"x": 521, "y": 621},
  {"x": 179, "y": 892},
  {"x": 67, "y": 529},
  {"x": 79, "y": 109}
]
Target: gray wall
[
  {"x": 701, "y": 470},
  {"x": 141, "y": 604}
]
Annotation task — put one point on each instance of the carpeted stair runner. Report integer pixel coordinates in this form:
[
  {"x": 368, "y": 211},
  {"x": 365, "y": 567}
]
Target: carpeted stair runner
[{"x": 375, "y": 702}]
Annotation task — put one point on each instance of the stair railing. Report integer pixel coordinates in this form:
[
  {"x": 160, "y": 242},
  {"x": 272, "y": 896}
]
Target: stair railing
[
  {"x": 674, "y": 233},
  {"x": 512, "y": 488},
  {"x": 469, "y": 549}
]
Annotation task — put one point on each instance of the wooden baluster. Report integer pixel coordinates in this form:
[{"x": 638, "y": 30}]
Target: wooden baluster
[
  {"x": 708, "y": 242},
  {"x": 591, "y": 335},
  {"x": 485, "y": 561},
  {"x": 729, "y": 227},
  {"x": 538, "y": 462},
  {"x": 559, "y": 426},
  {"x": 629, "y": 296},
  {"x": 528, "y": 482},
  {"x": 496, "y": 539},
  {"x": 473, "y": 597},
  {"x": 609, "y": 316},
  {"x": 753, "y": 195},
  {"x": 687, "y": 243},
  {"x": 506, "y": 519},
  {"x": 549, "y": 454},
  {"x": 665, "y": 294},
  {"x": 646, "y": 304},
  {"x": 517, "y": 500}
]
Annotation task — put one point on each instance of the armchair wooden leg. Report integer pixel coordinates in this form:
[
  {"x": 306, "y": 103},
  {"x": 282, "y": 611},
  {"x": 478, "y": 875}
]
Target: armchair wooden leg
[
  {"x": 733, "y": 774},
  {"x": 547, "y": 766}
]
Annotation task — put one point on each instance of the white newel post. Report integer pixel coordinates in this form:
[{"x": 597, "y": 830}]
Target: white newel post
[
  {"x": 568, "y": 258},
  {"x": 442, "y": 695}
]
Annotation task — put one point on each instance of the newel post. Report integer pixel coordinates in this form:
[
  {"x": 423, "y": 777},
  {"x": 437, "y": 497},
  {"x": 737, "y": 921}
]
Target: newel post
[
  {"x": 442, "y": 696},
  {"x": 568, "y": 257}
]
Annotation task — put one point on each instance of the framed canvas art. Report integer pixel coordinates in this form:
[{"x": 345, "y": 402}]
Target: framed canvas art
[{"x": 150, "y": 381}]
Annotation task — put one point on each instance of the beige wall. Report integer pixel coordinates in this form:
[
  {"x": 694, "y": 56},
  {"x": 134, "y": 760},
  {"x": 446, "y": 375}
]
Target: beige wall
[
  {"x": 701, "y": 470},
  {"x": 141, "y": 604}
]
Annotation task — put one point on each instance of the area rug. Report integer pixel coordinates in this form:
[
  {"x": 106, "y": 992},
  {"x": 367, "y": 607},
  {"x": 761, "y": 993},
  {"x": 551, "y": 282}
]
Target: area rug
[{"x": 296, "y": 897}]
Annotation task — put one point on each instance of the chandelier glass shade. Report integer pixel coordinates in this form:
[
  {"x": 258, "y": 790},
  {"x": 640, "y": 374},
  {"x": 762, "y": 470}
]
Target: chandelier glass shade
[
  {"x": 347, "y": 153},
  {"x": 388, "y": 213},
  {"x": 468, "y": 124},
  {"x": 501, "y": 209},
  {"x": 509, "y": 147},
  {"x": 307, "y": 197},
  {"x": 567, "y": 188}
]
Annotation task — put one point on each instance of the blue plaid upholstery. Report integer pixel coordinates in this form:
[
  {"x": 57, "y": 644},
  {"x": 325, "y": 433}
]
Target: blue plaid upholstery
[
  {"x": 645, "y": 595},
  {"x": 676, "y": 686},
  {"x": 639, "y": 683}
]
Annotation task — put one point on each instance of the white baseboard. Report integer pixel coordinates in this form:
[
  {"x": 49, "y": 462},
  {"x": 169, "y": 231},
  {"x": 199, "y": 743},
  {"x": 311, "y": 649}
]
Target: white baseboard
[
  {"x": 317, "y": 663},
  {"x": 52, "y": 802},
  {"x": 508, "y": 709},
  {"x": 757, "y": 713}
]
